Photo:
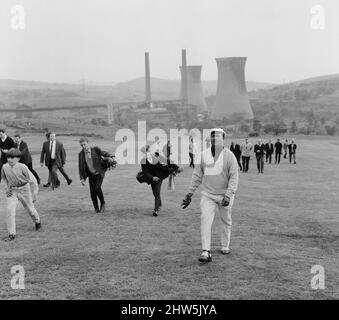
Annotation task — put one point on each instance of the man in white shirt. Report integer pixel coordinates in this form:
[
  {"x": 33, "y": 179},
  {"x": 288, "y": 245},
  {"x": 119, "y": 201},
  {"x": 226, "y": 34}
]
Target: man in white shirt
[
  {"x": 20, "y": 186},
  {"x": 246, "y": 149},
  {"x": 6, "y": 143},
  {"x": 156, "y": 147},
  {"x": 192, "y": 151},
  {"x": 217, "y": 170}
]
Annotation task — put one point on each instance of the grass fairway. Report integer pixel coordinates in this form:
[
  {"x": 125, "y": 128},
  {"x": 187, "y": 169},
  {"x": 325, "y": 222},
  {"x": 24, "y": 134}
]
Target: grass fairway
[{"x": 284, "y": 222}]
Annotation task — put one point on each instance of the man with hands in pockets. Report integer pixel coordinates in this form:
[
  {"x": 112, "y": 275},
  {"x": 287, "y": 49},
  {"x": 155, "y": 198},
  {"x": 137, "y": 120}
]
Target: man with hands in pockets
[{"x": 217, "y": 171}]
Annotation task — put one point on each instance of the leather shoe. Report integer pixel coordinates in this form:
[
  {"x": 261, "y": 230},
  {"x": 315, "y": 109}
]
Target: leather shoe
[
  {"x": 102, "y": 208},
  {"x": 37, "y": 226},
  {"x": 11, "y": 237},
  {"x": 205, "y": 256},
  {"x": 225, "y": 250}
]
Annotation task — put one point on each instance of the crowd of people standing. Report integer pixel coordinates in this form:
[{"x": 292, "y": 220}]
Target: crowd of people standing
[{"x": 263, "y": 152}]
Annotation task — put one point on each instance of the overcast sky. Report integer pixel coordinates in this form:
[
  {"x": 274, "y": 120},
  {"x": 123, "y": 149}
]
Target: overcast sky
[{"x": 105, "y": 40}]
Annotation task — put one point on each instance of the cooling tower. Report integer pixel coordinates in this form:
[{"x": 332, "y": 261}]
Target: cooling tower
[
  {"x": 195, "y": 93},
  {"x": 147, "y": 81},
  {"x": 231, "y": 100}
]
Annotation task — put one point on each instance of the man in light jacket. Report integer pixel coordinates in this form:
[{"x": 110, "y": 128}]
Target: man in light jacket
[
  {"x": 217, "y": 171},
  {"x": 20, "y": 186},
  {"x": 246, "y": 149}
]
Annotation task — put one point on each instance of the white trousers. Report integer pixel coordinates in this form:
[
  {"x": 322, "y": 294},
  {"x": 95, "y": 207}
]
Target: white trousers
[
  {"x": 23, "y": 195},
  {"x": 208, "y": 209}
]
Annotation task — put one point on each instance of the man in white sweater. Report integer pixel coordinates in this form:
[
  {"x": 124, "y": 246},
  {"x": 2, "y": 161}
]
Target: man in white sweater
[
  {"x": 20, "y": 186},
  {"x": 217, "y": 170}
]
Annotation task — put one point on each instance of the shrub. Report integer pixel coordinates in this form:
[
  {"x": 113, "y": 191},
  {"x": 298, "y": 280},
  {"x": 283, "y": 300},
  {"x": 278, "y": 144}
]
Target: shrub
[
  {"x": 257, "y": 125},
  {"x": 294, "y": 127},
  {"x": 321, "y": 131},
  {"x": 269, "y": 128},
  {"x": 244, "y": 127},
  {"x": 303, "y": 130},
  {"x": 331, "y": 130}
]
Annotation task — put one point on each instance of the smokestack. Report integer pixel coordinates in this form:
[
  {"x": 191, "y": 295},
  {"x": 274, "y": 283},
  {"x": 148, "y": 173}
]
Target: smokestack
[
  {"x": 195, "y": 93},
  {"x": 183, "y": 78},
  {"x": 147, "y": 81},
  {"x": 231, "y": 99}
]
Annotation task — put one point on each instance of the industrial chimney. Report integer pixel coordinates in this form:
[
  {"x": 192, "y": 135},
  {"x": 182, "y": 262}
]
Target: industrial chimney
[
  {"x": 147, "y": 81},
  {"x": 231, "y": 98},
  {"x": 183, "y": 78},
  {"x": 195, "y": 95}
]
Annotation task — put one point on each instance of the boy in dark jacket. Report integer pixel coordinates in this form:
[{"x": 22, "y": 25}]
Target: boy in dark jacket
[
  {"x": 92, "y": 166},
  {"x": 260, "y": 150}
]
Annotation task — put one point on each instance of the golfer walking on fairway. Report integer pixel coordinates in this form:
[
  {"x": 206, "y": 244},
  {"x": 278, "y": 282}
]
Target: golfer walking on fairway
[{"x": 217, "y": 170}]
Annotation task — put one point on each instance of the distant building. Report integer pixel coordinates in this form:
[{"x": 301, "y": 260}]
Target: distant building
[
  {"x": 23, "y": 111},
  {"x": 231, "y": 101}
]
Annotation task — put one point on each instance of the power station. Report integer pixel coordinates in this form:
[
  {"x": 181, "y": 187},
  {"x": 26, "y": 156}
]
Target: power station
[{"x": 231, "y": 100}]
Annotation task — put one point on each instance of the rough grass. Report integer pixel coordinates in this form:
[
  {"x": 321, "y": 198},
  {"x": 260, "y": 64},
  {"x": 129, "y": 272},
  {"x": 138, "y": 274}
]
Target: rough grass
[{"x": 285, "y": 221}]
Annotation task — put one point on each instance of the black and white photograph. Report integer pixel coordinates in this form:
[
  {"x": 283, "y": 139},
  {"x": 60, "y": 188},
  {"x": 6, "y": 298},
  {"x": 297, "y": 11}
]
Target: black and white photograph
[{"x": 178, "y": 153}]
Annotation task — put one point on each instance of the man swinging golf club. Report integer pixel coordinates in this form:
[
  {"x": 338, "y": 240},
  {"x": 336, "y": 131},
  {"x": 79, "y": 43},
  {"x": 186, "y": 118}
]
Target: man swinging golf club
[{"x": 217, "y": 170}]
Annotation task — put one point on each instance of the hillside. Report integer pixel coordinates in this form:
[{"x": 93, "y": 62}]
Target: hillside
[
  {"x": 319, "y": 78},
  {"x": 313, "y": 104},
  {"x": 45, "y": 94},
  {"x": 169, "y": 89},
  {"x": 10, "y": 84},
  {"x": 319, "y": 93}
]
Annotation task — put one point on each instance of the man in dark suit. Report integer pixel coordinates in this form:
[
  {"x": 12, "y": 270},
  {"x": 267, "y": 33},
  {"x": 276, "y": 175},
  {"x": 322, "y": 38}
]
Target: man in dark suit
[
  {"x": 25, "y": 157},
  {"x": 48, "y": 184},
  {"x": 6, "y": 143},
  {"x": 154, "y": 175},
  {"x": 278, "y": 147},
  {"x": 269, "y": 151},
  {"x": 259, "y": 150},
  {"x": 292, "y": 150},
  {"x": 91, "y": 166},
  {"x": 54, "y": 154}
]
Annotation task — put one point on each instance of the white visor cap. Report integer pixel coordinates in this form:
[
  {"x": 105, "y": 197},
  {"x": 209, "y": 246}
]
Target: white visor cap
[{"x": 218, "y": 130}]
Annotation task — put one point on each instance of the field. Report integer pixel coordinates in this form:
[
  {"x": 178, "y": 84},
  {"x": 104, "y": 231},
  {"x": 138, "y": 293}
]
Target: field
[{"x": 285, "y": 222}]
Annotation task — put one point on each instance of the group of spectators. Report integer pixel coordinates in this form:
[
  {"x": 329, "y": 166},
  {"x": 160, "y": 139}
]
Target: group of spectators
[{"x": 262, "y": 152}]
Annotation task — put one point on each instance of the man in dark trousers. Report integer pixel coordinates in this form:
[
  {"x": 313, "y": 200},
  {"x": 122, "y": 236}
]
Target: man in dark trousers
[
  {"x": 54, "y": 154},
  {"x": 153, "y": 171},
  {"x": 192, "y": 151},
  {"x": 278, "y": 147},
  {"x": 166, "y": 150},
  {"x": 259, "y": 151},
  {"x": 292, "y": 150},
  {"x": 48, "y": 184},
  {"x": 6, "y": 143},
  {"x": 269, "y": 151},
  {"x": 25, "y": 157},
  {"x": 246, "y": 149},
  {"x": 235, "y": 148},
  {"x": 91, "y": 166}
]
